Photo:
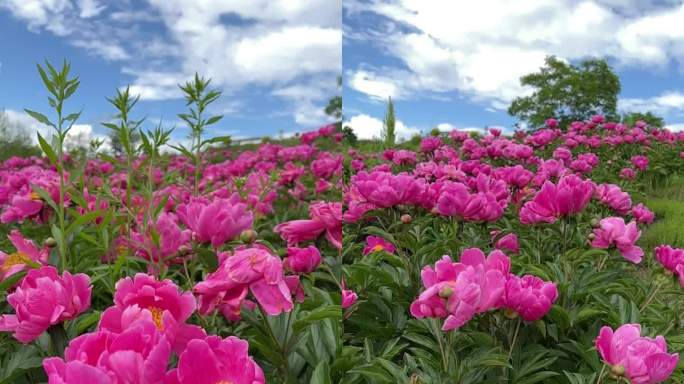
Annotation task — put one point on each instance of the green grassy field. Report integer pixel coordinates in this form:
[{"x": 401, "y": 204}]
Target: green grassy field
[{"x": 668, "y": 205}]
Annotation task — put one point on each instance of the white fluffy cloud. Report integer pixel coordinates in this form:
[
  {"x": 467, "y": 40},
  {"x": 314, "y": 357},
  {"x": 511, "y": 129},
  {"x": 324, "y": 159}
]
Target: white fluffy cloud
[
  {"x": 482, "y": 48},
  {"x": 79, "y": 135},
  {"x": 663, "y": 104},
  {"x": 275, "y": 44},
  {"x": 368, "y": 127},
  {"x": 678, "y": 127}
]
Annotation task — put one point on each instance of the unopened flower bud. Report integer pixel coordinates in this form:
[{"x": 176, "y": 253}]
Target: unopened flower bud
[
  {"x": 594, "y": 223},
  {"x": 248, "y": 236},
  {"x": 446, "y": 292},
  {"x": 50, "y": 242},
  {"x": 184, "y": 249},
  {"x": 510, "y": 314},
  {"x": 406, "y": 218},
  {"x": 591, "y": 236},
  {"x": 617, "y": 370}
]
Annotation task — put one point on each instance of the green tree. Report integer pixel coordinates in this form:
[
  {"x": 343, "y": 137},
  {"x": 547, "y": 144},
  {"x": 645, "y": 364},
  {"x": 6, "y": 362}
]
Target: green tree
[
  {"x": 117, "y": 145},
  {"x": 388, "y": 131},
  {"x": 649, "y": 117},
  {"x": 15, "y": 139},
  {"x": 568, "y": 92},
  {"x": 334, "y": 107}
]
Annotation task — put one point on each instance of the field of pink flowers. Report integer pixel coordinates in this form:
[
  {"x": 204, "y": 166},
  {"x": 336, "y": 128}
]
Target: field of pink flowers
[
  {"x": 214, "y": 265},
  {"x": 492, "y": 259},
  {"x": 453, "y": 258}
]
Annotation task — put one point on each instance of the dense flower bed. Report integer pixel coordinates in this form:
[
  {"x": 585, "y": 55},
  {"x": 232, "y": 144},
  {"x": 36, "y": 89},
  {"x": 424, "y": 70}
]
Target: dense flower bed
[
  {"x": 161, "y": 283},
  {"x": 513, "y": 259}
]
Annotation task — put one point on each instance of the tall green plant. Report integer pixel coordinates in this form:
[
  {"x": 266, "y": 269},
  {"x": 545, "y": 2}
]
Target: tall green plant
[
  {"x": 198, "y": 96},
  {"x": 60, "y": 87},
  {"x": 389, "y": 134}
]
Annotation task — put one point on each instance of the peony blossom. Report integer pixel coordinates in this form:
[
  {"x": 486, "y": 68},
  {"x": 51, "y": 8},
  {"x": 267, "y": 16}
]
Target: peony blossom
[
  {"x": 529, "y": 296},
  {"x": 672, "y": 259},
  {"x": 27, "y": 254},
  {"x": 43, "y": 299},
  {"x": 642, "y": 214},
  {"x": 458, "y": 291},
  {"x": 614, "y": 231},
  {"x": 302, "y": 260},
  {"x": 216, "y": 222},
  {"x": 640, "y": 359},
  {"x": 324, "y": 217},
  {"x": 215, "y": 361},
  {"x": 161, "y": 302},
  {"x": 640, "y": 162},
  {"x": 349, "y": 297},
  {"x": 139, "y": 354},
  {"x": 570, "y": 196},
  {"x": 252, "y": 268},
  {"x": 377, "y": 244},
  {"x": 614, "y": 197},
  {"x": 509, "y": 243}
]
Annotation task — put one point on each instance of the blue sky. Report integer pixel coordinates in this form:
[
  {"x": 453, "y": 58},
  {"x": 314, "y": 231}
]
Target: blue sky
[
  {"x": 449, "y": 64},
  {"x": 276, "y": 62}
]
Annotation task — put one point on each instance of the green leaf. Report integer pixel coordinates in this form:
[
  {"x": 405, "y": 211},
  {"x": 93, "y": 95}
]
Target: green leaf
[
  {"x": 40, "y": 117},
  {"x": 321, "y": 375},
  {"x": 83, "y": 219},
  {"x": 26, "y": 358},
  {"x": 318, "y": 314},
  {"x": 47, "y": 149},
  {"x": 10, "y": 281},
  {"x": 213, "y": 119},
  {"x": 208, "y": 258}
]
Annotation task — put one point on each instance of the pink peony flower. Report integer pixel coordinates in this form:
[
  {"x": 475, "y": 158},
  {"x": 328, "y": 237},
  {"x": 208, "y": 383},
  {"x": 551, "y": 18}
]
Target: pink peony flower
[
  {"x": 139, "y": 354},
  {"x": 377, "y": 244},
  {"x": 569, "y": 197},
  {"x": 640, "y": 162},
  {"x": 614, "y": 231},
  {"x": 161, "y": 302},
  {"x": 642, "y": 214},
  {"x": 349, "y": 297},
  {"x": 672, "y": 259},
  {"x": 627, "y": 174},
  {"x": 459, "y": 291},
  {"x": 217, "y": 222},
  {"x": 302, "y": 260},
  {"x": 250, "y": 268},
  {"x": 642, "y": 359},
  {"x": 529, "y": 296},
  {"x": 22, "y": 207},
  {"x": 213, "y": 361},
  {"x": 27, "y": 254},
  {"x": 324, "y": 217},
  {"x": 43, "y": 299},
  {"x": 614, "y": 197},
  {"x": 384, "y": 189},
  {"x": 509, "y": 243},
  {"x": 171, "y": 238}
]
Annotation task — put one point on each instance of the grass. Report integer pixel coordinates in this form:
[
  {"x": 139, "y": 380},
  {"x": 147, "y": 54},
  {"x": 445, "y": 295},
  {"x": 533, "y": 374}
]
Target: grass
[{"x": 668, "y": 205}]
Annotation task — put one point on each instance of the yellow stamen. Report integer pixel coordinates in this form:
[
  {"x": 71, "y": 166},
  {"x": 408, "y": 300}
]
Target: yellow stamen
[
  {"x": 378, "y": 248},
  {"x": 14, "y": 259},
  {"x": 157, "y": 317},
  {"x": 34, "y": 196},
  {"x": 224, "y": 382}
]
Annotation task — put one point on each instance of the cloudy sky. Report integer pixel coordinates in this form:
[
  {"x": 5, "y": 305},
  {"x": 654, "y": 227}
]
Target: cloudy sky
[
  {"x": 448, "y": 64},
  {"x": 276, "y": 61}
]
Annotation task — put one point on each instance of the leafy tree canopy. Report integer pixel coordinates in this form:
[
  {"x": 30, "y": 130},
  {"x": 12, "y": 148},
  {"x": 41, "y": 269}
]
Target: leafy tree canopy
[{"x": 568, "y": 92}]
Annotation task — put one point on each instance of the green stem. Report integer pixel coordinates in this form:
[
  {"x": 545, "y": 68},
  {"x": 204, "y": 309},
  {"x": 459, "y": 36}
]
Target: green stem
[
  {"x": 651, "y": 296},
  {"x": 601, "y": 374}
]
